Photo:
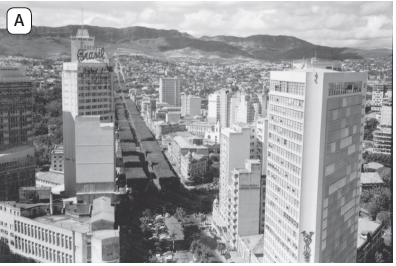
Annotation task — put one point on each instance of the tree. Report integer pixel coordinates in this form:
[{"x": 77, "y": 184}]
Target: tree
[
  {"x": 180, "y": 214},
  {"x": 191, "y": 233},
  {"x": 381, "y": 196},
  {"x": 221, "y": 247},
  {"x": 384, "y": 217},
  {"x": 373, "y": 209}
]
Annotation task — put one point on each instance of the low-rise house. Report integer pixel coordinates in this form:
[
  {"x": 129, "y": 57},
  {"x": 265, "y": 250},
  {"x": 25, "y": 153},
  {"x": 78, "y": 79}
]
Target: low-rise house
[{"x": 371, "y": 179}]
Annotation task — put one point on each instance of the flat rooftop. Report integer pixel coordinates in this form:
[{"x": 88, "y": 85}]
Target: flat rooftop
[
  {"x": 81, "y": 225},
  {"x": 371, "y": 178}
]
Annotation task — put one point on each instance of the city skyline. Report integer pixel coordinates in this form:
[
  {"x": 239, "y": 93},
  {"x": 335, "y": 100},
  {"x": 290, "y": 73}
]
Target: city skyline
[{"x": 370, "y": 25}]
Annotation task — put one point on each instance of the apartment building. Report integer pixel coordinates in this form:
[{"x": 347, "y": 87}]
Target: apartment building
[
  {"x": 377, "y": 96},
  {"x": 17, "y": 162},
  {"x": 219, "y": 107},
  {"x": 315, "y": 121},
  {"x": 169, "y": 91}
]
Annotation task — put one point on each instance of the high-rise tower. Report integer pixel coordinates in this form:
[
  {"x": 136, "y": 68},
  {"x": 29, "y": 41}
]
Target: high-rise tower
[
  {"x": 17, "y": 162},
  {"x": 315, "y": 139},
  {"x": 169, "y": 91}
]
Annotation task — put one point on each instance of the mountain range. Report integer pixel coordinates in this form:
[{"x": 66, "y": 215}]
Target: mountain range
[{"x": 47, "y": 41}]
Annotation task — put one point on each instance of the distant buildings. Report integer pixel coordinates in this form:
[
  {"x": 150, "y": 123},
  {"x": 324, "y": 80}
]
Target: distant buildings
[
  {"x": 378, "y": 96},
  {"x": 219, "y": 107},
  {"x": 315, "y": 120},
  {"x": 17, "y": 161},
  {"x": 169, "y": 91}
]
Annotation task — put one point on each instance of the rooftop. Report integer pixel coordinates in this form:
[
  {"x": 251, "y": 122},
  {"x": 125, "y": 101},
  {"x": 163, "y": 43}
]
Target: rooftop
[
  {"x": 184, "y": 144},
  {"x": 53, "y": 177},
  {"x": 365, "y": 225},
  {"x": 371, "y": 178},
  {"x": 81, "y": 225},
  {"x": 374, "y": 165},
  {"x": 252, "y": 241}
]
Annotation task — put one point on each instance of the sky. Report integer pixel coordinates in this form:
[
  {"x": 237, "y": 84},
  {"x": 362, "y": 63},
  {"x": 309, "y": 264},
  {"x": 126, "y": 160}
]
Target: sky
[{"x": 335, "y": 24}]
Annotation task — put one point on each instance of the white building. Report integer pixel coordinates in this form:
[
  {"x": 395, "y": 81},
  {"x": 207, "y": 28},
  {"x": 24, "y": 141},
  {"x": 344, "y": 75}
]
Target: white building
[
  {"x": 377, "y": 96},
  {"x": 219, "y": 107},
  {"x": 169, "y": 91},
  {"x": 315, "y": 140},
  {"x": 190, "y": 105},
  {"x": 38, "y": 232},
  {"x": 383, "y": 138}
]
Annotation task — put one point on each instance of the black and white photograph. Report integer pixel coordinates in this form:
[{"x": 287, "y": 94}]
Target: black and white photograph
[{"x": 196, "y": 132}]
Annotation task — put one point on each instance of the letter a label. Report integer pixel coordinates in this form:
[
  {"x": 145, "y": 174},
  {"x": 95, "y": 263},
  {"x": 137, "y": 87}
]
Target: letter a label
[{"x": 19, "y": 20}]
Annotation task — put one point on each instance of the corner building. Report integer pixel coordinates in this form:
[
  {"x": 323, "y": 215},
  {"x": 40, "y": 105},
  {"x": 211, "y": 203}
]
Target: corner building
[{"x": 315, "y": 140}]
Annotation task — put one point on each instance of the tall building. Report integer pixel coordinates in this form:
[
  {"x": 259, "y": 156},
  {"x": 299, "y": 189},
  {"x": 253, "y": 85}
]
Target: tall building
[
  {"x": 315, "y": 120},
  {"x": 169, "y": 91},
  {"x": 383, "y": 138},
  {"x": 17, "y": 162},
  {"x": 219, "y": 107},
  {"x": 190, "y": 105},
  {"x": 244, "y": 108},
  {"x": 250, "y": 139},
  {"x": 57, "y": 162},
  {"x": 82, "y": 40},
  {"x": 88, "y": 108},
  {"x": 378, "y": 96}
]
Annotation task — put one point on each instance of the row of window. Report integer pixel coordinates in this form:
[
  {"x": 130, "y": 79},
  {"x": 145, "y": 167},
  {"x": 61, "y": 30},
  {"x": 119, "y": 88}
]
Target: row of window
[
  {"x": 286, "y": 112},
  {"x": 44, "y": 235},
  {"x": 94, "y": 100},
  {"x": 296, "y": 126},
  {"x": 42, "y": 251},
  {"x": 95, "y": 94},
  {"x": 285, "y": 201},
  {"x": 297, "y": 88},
  {"x": 275, "y": 245},
  {"x": 93, "y": 106},
  {"x": 338, "y": 88},
  {"x": 286, "y": 101},
  {"x": 290, "y": 178},
  {"x": 285, "y": 132},
  {"x": 284, "y": 153},
  {"x": 282, "y": 162},
  {"x": 287, "y": 143}
]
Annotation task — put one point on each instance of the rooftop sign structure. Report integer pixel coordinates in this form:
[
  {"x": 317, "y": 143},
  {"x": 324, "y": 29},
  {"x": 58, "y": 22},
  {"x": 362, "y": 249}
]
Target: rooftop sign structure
[{"x": 90, "y": 54}]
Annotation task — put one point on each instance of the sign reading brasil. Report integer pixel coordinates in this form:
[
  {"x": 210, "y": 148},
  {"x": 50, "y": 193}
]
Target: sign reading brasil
[{"x": 98, "y": 53}]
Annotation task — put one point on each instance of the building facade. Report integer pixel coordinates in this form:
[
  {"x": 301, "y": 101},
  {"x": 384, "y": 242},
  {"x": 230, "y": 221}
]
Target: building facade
[
  {"x": 169, "y": 91},
  {"x": 315, "y": 120},
  {"x": 17, "y": 161},
  {"x": 193, "y": 165},
  {"x": 383, "y": 138},
  {"x": 377, "y": 96},
  {"x": 190, "y": 105}
]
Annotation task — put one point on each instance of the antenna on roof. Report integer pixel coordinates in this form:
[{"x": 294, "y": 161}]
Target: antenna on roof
[{"x": 82, "y": 25}]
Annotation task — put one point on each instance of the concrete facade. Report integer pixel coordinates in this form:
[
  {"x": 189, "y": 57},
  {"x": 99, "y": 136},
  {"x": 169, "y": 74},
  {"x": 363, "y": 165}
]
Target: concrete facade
[
  {"x": 315, "y": 140},
  {"x": 169, "y": 91}
]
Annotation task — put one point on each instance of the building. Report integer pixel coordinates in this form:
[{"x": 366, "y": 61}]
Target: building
[
  {"x": 41, "y": 232},
  {"x": 193, "y": 165},
  {"x": 57, "y": 162},
  {"x": 383, "y": 138},
  {"x": 169, "y": 91},
  {"x": 244, "y": 108},
  {"x": 17, "y": 161},
  {"x": 200, "y": 128},
  {"x": 371, "y": 179},
  {"x": 240, "y": 214},
  {"x": 88, "y": 100},
  {"x": 182, "y": 145},
  {"x": 212, "y": 134},
  {"x": 219, "y": 107},
  {"x": 172, "y": 117},
  {"x": 377, "y": 96},
  {"x": 82, "y": 40},
  {"x": 369, "y": 239},
  {"x": 50, "y": 179},
  {"x": 190, "y": 105},
  {"x": 315, "y": 120},
  {"x": 94, "y": 159}
]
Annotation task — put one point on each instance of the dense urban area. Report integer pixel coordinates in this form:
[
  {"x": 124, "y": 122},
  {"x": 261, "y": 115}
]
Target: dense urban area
[{"x": 163, "y": 214}]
